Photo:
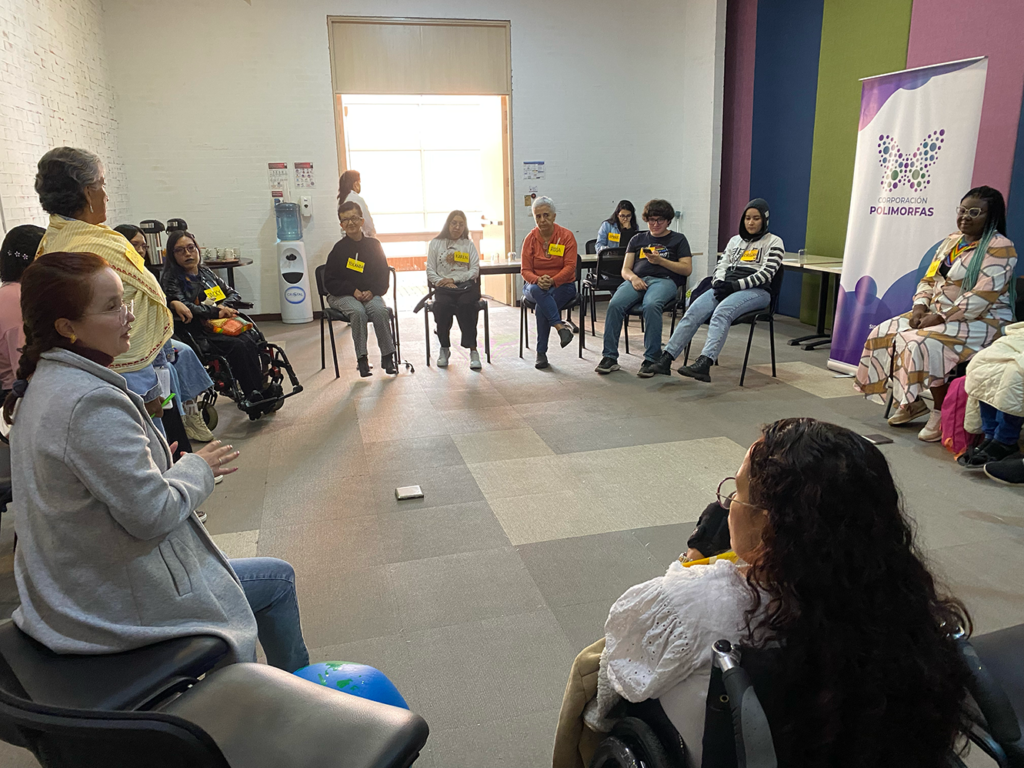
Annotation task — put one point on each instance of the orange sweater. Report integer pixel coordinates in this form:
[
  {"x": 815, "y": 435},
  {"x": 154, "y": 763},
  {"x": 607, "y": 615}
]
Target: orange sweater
[{"x": 536, "y": 262}]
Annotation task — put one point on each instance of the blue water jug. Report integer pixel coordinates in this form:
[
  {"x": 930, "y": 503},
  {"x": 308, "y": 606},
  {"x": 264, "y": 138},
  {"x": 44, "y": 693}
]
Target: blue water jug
[{"x": 289, "y": 225}]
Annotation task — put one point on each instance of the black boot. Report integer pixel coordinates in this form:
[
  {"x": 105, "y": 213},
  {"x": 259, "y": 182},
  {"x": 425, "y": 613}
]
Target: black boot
[
  {"x": 663, "y": 366},
  {"x": 387, "y": 362},
  {"x": 364, "y": 366},
  {"x": 700, "y": 369}
]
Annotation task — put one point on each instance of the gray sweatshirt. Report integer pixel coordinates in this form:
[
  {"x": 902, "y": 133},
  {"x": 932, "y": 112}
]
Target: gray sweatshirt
[{"x": 110, "y": 555}]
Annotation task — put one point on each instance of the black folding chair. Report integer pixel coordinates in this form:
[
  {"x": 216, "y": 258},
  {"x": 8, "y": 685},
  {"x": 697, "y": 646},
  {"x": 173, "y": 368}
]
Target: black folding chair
[
  {"x": 751, "y": 318},
  {"x": 637, "y": 310},
  {"x": 331, "y": 315},
  {"x": 606, "y": 277},
  {"x": 427, "y": 304}
]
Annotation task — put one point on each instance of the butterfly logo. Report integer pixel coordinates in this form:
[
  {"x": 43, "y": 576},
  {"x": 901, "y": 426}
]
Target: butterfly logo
[{"x": 905, "y": 170}]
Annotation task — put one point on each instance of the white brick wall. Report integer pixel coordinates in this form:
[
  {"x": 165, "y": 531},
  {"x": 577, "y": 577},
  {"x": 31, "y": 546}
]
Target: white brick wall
[
  {"x": 54, "y": 90},
  {"x": 618, "y": 98}
]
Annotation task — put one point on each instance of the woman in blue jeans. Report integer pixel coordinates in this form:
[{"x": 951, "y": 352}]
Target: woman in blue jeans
[
  {"x": 111, "y": 555},
  {"x": 740, "y": 284}
]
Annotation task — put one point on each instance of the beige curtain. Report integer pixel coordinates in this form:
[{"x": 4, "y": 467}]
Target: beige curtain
[{"x": 409, "y": 56}]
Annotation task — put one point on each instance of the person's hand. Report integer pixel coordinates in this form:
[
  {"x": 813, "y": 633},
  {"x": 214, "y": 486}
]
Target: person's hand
[
  {"x": 638, "y": 283},
  {"x": 226, "y": 311},
  {"x": 363, "y": 296},
  {"x": 931, "y": 319},
  {"x": 445, "y": 282},
  {"x": 918, "y": 312},
  {"x": 218, "y": 456},
  {"x": 544, "y": 282},
  {"x": 155, "y": 408},
  {"x": 724, "y": 289},
  {"x": 692, "y": 554},
  {"x": 654, "y": 257},
  {"x": 184, "y": 313}
]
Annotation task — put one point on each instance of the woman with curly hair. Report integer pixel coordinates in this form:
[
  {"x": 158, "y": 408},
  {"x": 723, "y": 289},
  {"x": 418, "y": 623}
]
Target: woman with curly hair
[{"x": 828, "y": 570}]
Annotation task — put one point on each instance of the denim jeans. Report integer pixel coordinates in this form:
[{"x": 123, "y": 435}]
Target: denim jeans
[
  {"x": 660, "y": 291},
  {"x": 145, "y": 384},
  {"x": 549, "y": 304},
  {"x": 999, "y": 425},
  {"x": 722, "y": 313},
  {"x": 269, "y": 586},
  {"x": 191, "y": 375}
]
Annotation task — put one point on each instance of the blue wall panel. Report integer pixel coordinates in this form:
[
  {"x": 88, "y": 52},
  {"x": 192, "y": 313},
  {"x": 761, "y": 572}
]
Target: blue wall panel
[
  {"x": 785, "y": 91},
  {"x": 1015, "y": 200}
]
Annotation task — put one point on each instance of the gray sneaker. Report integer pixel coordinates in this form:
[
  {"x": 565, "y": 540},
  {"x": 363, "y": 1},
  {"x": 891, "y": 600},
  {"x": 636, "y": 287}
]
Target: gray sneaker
[
  {"x": 565, "y": 336},
  {"x": 442, "y": 357},
  {"x": 542, "y": 361},
  {"x": 474, "y": 361},
  {"x": 607, "y": 365}
]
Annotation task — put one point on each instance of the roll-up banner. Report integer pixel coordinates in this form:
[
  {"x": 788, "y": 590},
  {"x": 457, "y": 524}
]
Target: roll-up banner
[{"x": 915, "y": 158}]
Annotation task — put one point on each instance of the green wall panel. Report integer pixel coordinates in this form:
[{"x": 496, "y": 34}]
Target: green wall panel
[{"x": 859, "y": 38}]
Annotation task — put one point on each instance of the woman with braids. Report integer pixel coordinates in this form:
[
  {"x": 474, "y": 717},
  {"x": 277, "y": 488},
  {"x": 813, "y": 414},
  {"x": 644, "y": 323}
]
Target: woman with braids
[
  {"x": 828, "y": 570},
  {"x": 19, "y": 248},
  {"x": 961, "y": 306},
  {"x": 111, "y": 555}
]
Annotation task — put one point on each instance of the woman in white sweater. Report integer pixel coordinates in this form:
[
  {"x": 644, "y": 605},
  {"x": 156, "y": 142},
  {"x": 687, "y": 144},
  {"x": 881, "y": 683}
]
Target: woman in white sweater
[
  {"x": 111, "y": 555},
  {"x": 453, "y": 269},
  {"x": 829, "y": 570}
]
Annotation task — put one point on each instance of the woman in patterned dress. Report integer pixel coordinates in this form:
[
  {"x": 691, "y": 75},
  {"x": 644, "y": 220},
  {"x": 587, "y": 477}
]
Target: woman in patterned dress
[{"x": 961, "y": 306}]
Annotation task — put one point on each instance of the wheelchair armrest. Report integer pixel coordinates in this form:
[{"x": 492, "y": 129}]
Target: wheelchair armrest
[
  {"x": 755, "y": 747},
  {"x": 238, "y": 304},
  {"x": 993, "y": 661},
  {"x": 131, "y": 680},
  {"x": 261, "y": 716}
]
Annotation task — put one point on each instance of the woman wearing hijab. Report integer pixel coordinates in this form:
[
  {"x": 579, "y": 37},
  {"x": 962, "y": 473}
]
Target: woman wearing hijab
[{"x": 740, "y": 284}]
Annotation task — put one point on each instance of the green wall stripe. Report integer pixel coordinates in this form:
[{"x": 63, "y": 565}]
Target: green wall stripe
[{"x": 859, "y": 38}]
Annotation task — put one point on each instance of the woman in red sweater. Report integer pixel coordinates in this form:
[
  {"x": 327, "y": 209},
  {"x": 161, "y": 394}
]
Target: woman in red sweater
[{"x": 549, "y": 271}]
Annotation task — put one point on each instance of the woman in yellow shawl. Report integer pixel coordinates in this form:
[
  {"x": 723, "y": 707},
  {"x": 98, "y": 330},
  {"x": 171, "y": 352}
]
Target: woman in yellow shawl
[{"x": 70, "y": 184}]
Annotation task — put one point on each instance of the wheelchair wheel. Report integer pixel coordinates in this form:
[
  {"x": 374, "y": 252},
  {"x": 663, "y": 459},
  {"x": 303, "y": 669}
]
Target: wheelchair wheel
[
  {"x": 209, "y": 416},
  {"x": 631, "y": 744}
]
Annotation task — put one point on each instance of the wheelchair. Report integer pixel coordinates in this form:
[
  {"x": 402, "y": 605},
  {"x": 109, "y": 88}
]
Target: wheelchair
[
  {"x": 740, "y": 708},
  {"x": 274, "y": 363}
]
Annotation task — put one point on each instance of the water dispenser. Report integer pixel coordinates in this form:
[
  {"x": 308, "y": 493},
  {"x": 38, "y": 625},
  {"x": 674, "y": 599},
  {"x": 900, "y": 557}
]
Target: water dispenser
[
  {"x": 296, "y": 303},
  {"x": 289, "y": 223}
]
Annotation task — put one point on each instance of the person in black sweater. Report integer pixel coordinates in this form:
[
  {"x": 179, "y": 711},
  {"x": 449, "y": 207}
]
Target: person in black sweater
[{"x": 356, "y": 278}]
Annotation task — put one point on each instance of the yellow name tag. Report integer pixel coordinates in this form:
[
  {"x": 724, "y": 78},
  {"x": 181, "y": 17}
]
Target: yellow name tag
[
  {"x": 750, "y": 255},
  {"x": 556, "y": 250},
  {"x": 461, "y": 256},
  {"x": 356, "y": 265},
  {"x": 215, "y": 293},
  {"x": 614, "y": 237},
  {"x": 933, "y": 267}
]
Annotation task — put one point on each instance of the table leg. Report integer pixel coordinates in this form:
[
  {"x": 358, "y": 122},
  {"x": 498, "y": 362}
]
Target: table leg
[
  {"x": 825, "y": 338},
  {"x": 231, "y": 276}
]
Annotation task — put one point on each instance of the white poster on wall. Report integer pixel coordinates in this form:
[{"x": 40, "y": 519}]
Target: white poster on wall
[{"x": 917, "y": 138}]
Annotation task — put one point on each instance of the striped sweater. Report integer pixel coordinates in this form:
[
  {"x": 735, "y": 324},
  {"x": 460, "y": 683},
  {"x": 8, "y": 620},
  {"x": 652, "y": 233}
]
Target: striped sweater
[{"x": 752, "y": 264}]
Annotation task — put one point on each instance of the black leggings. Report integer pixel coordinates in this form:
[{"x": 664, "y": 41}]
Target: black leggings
[
  {"x": 243, "y": 355},
  {"x": 463, "y": 304}
]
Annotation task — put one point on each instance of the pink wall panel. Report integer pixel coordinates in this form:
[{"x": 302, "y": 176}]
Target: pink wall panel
[
  {"x": 737, "y": 114},
  {"x": 947, "y": 30}
]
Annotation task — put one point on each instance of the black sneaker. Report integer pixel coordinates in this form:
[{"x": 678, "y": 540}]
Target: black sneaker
[
  {"x": 1009, "y": 471},
  {"x": 663, "y": 367},
  {"x": 542, "y": 361},
  {"x": 975, "y": 456},
  {"x": 646, "y": 369},
  {"x": 607, "y": 365},
  {"x": 387, "y": 362},
  {"x": 565, "y": 336},
  {"x": 364, "y": 366},
  {"x": 700, "y": 369}
]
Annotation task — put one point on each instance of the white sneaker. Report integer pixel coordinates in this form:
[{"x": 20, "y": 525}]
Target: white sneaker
[
  {"x": 218, "y": 479},
  {"x": 442, "y": 357},
  {"x": 932, "y": 432},
  {"x": 196, "y": 428},
  {"x": 474, "y": 360}
]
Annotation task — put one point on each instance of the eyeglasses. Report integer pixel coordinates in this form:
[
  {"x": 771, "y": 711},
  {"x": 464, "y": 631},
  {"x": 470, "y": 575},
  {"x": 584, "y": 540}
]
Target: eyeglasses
[
  {"x": 656, "y": 220},
  {"x": 141, "y": 247},
  {"x": 971, "y": 213},
  {"x": 191, "y": 250},
  {"x": 726, "y": 492},
  {"x": 122, "y": 312},
  {"x": 350, "y": 220}
]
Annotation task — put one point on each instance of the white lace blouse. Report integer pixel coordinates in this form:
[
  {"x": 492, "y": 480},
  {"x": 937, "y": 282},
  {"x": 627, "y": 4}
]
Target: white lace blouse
[{"x": 659, "y": 634}]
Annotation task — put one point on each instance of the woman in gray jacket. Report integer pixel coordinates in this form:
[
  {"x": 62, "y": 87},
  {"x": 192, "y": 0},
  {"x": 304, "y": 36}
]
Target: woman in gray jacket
[{"x": 110, "y": 553}]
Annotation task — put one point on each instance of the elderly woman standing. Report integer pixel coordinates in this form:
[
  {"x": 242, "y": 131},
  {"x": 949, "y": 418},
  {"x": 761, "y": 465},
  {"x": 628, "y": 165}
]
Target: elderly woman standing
[
  {"x": 549, "y": 270},
  {"x": 960, "y": 307},
  {"x": 70, "y": 185}
]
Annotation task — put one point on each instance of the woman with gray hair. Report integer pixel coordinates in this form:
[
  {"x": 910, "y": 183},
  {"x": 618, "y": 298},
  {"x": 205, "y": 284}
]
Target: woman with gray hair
[
  {"x": 70, "y": 183},
  {"x": 549, "y": 271}
]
